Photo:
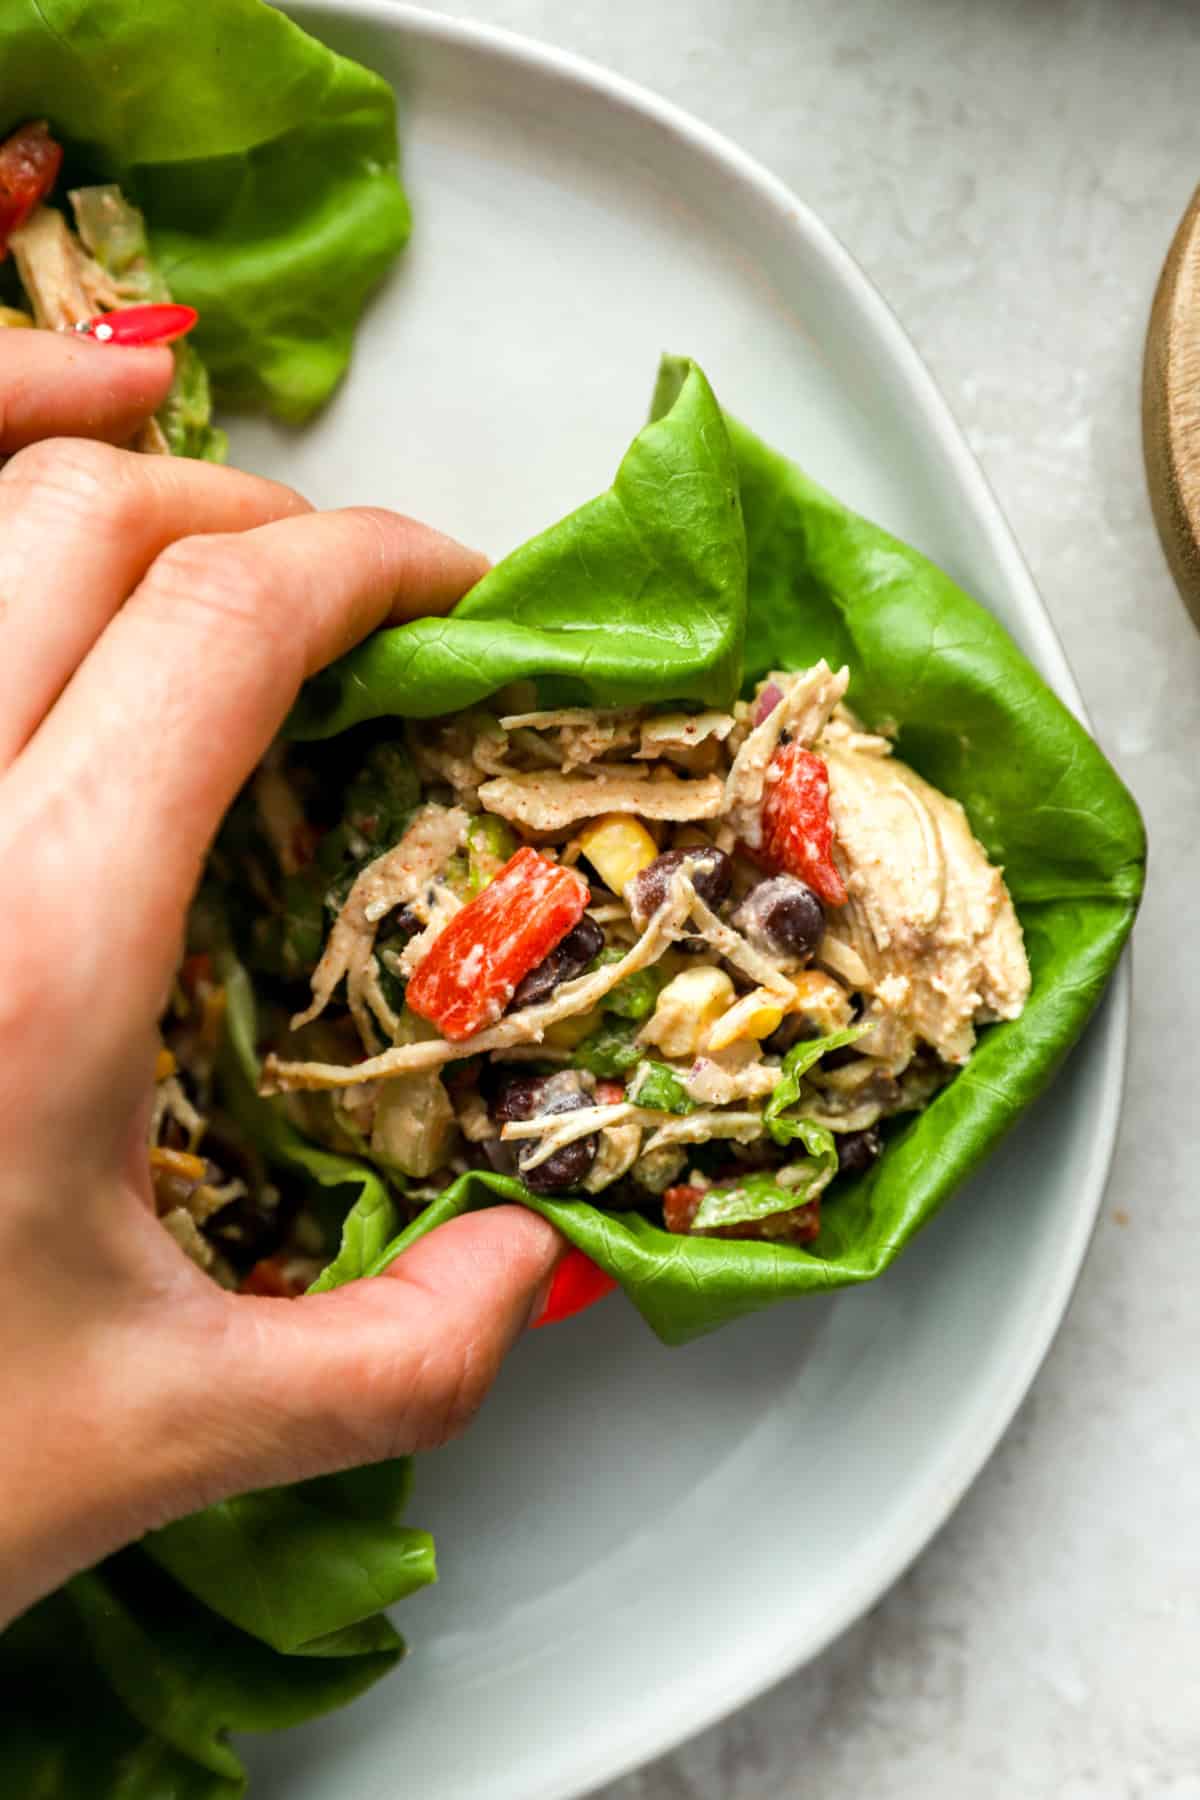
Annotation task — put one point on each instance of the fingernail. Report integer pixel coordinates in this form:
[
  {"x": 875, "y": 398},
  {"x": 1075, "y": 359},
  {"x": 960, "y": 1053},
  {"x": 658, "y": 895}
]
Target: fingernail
[
  {"x": 140, "y": 326},
  {"x": 576, "y": 1284}
]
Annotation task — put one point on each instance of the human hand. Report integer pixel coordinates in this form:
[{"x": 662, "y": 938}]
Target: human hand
[{"x": 157, "y": 618}]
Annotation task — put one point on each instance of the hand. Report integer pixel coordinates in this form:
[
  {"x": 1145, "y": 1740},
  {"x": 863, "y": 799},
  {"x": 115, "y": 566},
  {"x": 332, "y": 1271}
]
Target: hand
[{"x": 157, "y": 618}]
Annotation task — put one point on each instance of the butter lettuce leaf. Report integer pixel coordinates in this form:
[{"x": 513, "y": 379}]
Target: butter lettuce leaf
[
  {"x": 639, "y": 595},
  {"x": 762, "y": 1195}
]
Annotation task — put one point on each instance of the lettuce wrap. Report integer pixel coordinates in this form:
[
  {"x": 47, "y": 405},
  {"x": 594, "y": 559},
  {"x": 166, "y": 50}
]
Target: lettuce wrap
[
  {"x": 710, "y": 561},
  {"x": 265, "y": 164}
]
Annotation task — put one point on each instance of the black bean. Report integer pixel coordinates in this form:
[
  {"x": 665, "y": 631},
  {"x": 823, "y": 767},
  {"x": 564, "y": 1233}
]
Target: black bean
[
  {"x": 782, "y": 916},
  {"x": 534, "y": 1096},
  {"x": 518, "y": 1097},
  {"x": 566, "y": 1167},
  {"x": 568, "y": 959},
  {"x": 840, "y": 1058},
  {"x": 857, "y": 1150},
  {"x": 712, "y": 873}
]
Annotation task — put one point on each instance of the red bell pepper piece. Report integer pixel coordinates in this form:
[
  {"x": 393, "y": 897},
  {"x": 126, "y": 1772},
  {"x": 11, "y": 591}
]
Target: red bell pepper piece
[
  {"x": 797, "y": 828},
  {"x": 577, "y": 1284},
  {"x": 140, "y": 325},
  {"x": 471, "y": 970},
  {"x": 29, "y": 164}
]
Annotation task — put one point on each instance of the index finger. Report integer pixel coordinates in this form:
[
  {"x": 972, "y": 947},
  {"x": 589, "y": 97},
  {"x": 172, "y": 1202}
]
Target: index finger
[
  {"x": 57, "y": 384},
  {"x": 159, "y": 727}
]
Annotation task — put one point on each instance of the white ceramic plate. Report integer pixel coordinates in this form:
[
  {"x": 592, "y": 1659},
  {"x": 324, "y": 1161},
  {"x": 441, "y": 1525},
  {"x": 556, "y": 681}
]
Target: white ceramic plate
[{"x": 633, "y": 1540}]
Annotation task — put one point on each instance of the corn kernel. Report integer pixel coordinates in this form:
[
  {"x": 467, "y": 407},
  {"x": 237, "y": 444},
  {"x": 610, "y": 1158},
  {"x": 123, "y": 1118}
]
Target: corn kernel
[
  {"x": 755, "y": 1015},
  {"x": 820, "y": 998},
  {"x": 618, "y": 846},
  {"x": 165, "y": 1064},
  {"x": 13, "y": 318},
  {"x": 687, "y": 1009}
]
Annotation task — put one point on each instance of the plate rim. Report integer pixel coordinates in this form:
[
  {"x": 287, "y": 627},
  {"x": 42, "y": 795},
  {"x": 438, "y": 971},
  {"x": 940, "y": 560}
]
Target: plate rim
[{"x": 744, "y": 1677}]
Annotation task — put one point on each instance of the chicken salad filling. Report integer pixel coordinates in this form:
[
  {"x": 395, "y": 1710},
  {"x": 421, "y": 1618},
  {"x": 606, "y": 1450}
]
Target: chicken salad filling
[{"x": 687, "y": 964}]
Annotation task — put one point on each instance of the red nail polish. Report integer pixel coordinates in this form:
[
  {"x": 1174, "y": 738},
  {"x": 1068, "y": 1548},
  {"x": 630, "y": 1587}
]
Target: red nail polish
[
  {"x": 138, "y": 326},
  {"x": 577, "y": 1284}
]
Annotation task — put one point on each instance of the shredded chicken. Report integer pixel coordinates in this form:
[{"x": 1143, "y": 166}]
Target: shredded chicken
[
  {"x": 665, "y": 732},
  {"x": 705, "y": 1123},
  {"x": 458, "y": 753},
  {"x": 64, "y": 285},
  {"x": 719, "y": 1080},
  {"x": 928, "y": 916},
  {"x": 807, "y": 703},
  {"x": 170, "y": 1102},
  {"x": 582, "y": 734},
  {"x": 554, "y": 801},
  {"x": 529, "y": 1025},
  {"x": 616, "y": 1155},
  {"x": 437, "y": 905},
  {"x": 393, "y": 879},
  {"x": 926, "y": 946},
  {"x": 552, "y": 717}
]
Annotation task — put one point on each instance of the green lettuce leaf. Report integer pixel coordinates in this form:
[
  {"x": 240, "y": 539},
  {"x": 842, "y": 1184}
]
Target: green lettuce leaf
[
  {"x": 660, "y": 1089},
  {"x": 636, "y": 996},
  {"x": 304, "y": 1569},
  {"x": 639, "y": 595},
  {"x": 189, "y": 1678},
  {"x": 65, "y": 1736},
  {"x": 265, "y": 164},
  {"x": 799, "y": 1060},
  {"x": 761, "y": 1195},
  {"x": 610, "y": 1050},
  {"x": 121, "y": 1687},
  {"x": 306, "y": 1576}
]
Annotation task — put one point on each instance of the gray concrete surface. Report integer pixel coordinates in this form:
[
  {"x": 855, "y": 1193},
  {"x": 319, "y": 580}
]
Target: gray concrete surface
[{"x": 1010, "y": 175}]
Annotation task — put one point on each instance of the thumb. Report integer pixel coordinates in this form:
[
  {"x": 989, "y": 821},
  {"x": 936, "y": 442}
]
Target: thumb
[{"x": 384, "y": 1366}]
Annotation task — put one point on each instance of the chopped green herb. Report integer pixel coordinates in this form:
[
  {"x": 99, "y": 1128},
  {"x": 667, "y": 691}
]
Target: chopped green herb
[
  {"x": 660, "y": 1089},
  {"x": 610, "y": 1050}
]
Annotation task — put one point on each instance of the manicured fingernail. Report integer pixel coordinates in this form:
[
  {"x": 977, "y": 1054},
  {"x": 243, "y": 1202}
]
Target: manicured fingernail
[
  {"x": 576, "y": 1284},
  {"x": 138, "y": 326}
]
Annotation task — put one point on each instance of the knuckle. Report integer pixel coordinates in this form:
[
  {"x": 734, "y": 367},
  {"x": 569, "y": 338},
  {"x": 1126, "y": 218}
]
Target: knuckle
[
  {"x": 66, "y": 474},
  {"x": 221, "y": 579},
  {"x": 77, "y": 487}
]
